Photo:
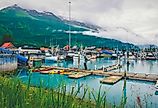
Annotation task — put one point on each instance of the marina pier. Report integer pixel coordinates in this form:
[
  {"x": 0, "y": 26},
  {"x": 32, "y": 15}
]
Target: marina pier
[
  {"x": 110, "y": 77},
  {"x": 79, "y": 75}
]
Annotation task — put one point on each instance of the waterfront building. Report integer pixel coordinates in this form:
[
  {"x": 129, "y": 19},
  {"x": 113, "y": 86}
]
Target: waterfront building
[{"x": 8, "y": 62}]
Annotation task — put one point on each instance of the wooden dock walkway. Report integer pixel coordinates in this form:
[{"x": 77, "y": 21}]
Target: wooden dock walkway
[
  {"x": 79, "y": 75},
  {"x": 111, "y": 79},
  {"x": 133, "y": 76},
  {"x": 110, "y": 68}
]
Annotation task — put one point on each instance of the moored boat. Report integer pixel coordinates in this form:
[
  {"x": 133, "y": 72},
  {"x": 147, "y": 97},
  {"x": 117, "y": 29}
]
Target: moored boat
[
  {"x": 51, "y": 57},
  {"x": 150, "y": 56},
  {"x": 114, "y": 56}
]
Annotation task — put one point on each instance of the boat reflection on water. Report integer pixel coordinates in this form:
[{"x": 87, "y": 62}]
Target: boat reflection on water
[
  {"x": 156, "y": 93},
  {"x": 156, "y": 86},
  {"x": 124, "y": 94}
]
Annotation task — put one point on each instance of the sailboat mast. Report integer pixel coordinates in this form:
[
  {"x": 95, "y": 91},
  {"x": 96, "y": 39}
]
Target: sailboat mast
[{"x": 69, "y": 25}]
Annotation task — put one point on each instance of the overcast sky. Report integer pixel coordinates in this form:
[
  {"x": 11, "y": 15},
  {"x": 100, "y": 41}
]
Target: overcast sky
[{"x": 138, "y": 16}]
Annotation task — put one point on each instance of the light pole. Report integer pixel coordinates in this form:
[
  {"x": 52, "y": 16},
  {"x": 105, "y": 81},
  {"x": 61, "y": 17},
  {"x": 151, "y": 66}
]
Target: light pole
[{"x": 69, "y": 25}]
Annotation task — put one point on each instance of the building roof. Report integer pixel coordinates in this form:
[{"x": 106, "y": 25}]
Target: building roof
[
  {"x": 44, "y": 49},
  {"x": 8, "y": 45}
]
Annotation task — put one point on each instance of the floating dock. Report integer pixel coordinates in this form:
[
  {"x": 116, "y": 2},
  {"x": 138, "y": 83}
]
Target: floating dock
[
  {"x": 111, "y": 79},
  {"x": 133, "y": 76},
  {"x": 79, "y": 75},
  {"x": 113, "y": 67},
  {"x": 45, "y": 72}
]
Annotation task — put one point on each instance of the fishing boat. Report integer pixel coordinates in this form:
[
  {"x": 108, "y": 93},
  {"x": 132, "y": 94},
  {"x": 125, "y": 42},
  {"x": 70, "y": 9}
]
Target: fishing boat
[
  {"x": 114, "y": 56},
  {"x": 70, "y": 55},
  {"x": 51, "y": 57},
  {"x": 150, "y": 56},
  {"x": 91, "y": 57},
  {"x": 78, "y": 57},
  {"x": 131, "y": 56},
  {"x": 62, "y": 57}
]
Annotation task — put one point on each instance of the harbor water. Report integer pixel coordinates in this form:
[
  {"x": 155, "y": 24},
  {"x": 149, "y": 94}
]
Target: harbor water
[
  {"x": 130, "y": 89},
  {"x": 135, "y": 66}
]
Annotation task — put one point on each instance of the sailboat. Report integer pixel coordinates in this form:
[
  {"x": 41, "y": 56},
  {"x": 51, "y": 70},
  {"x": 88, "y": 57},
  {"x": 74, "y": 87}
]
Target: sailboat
[
  {"x": 52, "y": 58},
  {"x": 70, "y": 53},
  {"x": 49, "y": 55}
]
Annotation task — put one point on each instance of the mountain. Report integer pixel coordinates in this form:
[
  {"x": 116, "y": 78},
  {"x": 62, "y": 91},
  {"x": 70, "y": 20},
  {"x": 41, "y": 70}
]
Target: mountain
[
  {"x": 147, "y": 46},
  {"x": 89, "y": 26},
  {"x": 45, "y": 28}
]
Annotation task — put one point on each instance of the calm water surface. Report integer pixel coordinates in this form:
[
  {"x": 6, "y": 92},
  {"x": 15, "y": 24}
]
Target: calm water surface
[
  {"x": 136, "y": 66},
  {"x": 115, "y": 93}
]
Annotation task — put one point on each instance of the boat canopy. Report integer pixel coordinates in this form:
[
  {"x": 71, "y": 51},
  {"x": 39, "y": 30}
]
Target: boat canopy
[{"x": 106, "y": 52}]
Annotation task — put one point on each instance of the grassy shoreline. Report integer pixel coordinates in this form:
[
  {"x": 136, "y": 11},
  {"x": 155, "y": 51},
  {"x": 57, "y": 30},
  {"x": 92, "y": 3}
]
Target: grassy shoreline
[{"x": 15, "y": 94}]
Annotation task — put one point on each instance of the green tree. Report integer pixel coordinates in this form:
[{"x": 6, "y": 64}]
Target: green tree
[{"x": 7, "y": 38}]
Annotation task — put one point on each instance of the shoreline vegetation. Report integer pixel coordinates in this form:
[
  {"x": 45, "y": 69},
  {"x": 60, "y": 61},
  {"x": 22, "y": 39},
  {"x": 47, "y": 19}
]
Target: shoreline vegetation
[
  {"x": 18, "y": 95},
  {"x": 8, "y": 73}
]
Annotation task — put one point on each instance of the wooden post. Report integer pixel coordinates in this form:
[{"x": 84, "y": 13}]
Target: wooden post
[
  {"x": 103, "y": 68},
  {"x": 95, "y": 67}
]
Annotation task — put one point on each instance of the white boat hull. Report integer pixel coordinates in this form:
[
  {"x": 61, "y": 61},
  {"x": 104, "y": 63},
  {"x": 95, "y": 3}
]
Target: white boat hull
[{"x": 52, "y": 58}]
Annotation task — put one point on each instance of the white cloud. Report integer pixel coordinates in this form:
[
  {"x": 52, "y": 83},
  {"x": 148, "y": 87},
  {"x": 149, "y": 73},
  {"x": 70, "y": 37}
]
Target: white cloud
[{"x": 139, "y": 16}]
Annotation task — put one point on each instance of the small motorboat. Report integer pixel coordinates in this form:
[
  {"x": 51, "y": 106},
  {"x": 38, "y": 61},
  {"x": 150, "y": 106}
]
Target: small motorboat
[
  {"x": 150, "y": 56},
  {"x": 51, "y": 57},
  {"x": 70, "y": 55},
  {"x": 114, "y": 56}
]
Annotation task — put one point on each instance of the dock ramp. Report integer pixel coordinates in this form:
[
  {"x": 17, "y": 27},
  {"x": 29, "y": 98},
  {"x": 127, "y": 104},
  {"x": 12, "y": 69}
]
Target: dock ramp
[
  {"x": 78, "y": 75},
  {"x": 111, "y": 79}
]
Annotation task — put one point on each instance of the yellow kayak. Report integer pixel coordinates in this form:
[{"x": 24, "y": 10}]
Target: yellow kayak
[{"x": 56, "y": 72}]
